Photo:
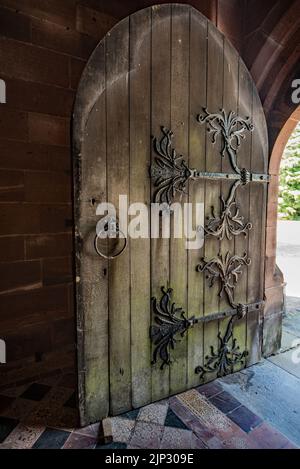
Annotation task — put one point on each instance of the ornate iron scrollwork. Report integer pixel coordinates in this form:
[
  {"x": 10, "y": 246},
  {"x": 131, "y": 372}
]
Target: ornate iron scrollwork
[
  {"x": 232, "y": 129},
  {"x": 230, "y": 222},
  {"x": 170, "y": 321},
  {"x": 170, "y": 171},
  {"x": 171, "y": 174},
  {"x": 226, "y": 357},
  {"x": 227, "y": 269}
]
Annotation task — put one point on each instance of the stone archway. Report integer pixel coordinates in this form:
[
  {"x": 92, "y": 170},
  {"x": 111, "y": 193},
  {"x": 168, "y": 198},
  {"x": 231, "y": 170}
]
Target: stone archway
[{"x": 274, "y": 281}]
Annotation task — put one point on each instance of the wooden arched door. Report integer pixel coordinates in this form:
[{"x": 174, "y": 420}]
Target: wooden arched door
[{"x": 166, "y": 82}]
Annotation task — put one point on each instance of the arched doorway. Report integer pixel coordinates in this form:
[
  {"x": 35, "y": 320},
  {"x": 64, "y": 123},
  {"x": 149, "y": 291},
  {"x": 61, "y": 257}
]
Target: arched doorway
[
  {"x": 137, "y": 89},
  {"x": 274, "y": 278}
]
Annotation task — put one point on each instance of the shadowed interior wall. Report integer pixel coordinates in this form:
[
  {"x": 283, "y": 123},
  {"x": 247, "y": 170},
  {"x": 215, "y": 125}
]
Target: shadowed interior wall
[{"x": 43, "y": 49}]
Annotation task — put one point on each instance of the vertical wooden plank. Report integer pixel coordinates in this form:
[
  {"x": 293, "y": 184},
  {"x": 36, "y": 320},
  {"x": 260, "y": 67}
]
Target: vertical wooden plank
[
  {"x": 117, "y": 101},
  {"x": 92, "y": 281},
  {"x": 160, "y": 116},
  {"x": 212, "y": 188},
  {"x": 92, "y": 312},
  {"x": 180, "y": 126},
  {"x": 258, "y": 194},
  {"x": 197, "y": 137},
  {"x": 140, "y": 48},
  {"x": 230, "y": 99},
  {"x": 243, "y": 200}
]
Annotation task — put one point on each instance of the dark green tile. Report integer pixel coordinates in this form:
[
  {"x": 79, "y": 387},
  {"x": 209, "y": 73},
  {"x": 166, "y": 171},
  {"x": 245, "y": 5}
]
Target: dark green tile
[
  {"x": 132, "y": 415},
  {"x": 6, "y": 427},
  {"x": 173, "y": 421},
  {"x": 52, "y": 439},
  {"x": 36, "y": 392}
]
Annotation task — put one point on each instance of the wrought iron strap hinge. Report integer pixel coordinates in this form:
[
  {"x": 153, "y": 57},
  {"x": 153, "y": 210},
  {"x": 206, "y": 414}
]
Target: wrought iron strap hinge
[
  {"x": 171, "y": 172},
  {"x": 227, "y": 270},
  {"x": 171, "y": 323},
  {"x": 223, "y": 360}
]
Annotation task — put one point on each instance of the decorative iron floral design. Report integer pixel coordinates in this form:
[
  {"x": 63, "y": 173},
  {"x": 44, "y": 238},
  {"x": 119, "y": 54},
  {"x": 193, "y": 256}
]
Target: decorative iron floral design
[
  {"x": 227, "y": 269},
  {"x": 170, "y": 171},
  {"x": 230, "y": 222},
  {"x": 170, "y": 321},
  {"x": 226, "y": 357},
  {"x": 232, "y": 129}
]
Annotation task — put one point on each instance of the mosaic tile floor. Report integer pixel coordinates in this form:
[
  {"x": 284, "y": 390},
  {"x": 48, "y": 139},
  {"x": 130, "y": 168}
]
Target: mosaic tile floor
[{"x": 43, "y": 415}]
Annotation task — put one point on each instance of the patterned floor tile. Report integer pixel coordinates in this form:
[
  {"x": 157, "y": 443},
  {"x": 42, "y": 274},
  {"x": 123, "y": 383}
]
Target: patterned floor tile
[
  {"x": 153, "y": 413},
  {"x": 191, "y": 421},
  {"x": 132, "y": 415},
  {"x": 53, "y": 416},
  {"x": 241, "y": 442},
  {"x": 112, "y": 446},
  {"x": 50, "y": 380},
  {"x": 50, "y": 411},
  {"x": 5, "y": 446},
  {"x": 58, "y": 396},
  {"x": 268, "y": 437},
  {"x": 208, "y": 415},
  {"x": 71, "y": 402},
  {"x": 197, "y": 443},
  {"x": 78, "y": 441},
  {"x": 210, "y": 389},
  {"x": 214, "y": 443},
  {"x": 36, "y": 392},
  {"x": 122, "y": 429},
  {"x": 5, "y": 403},
  {"x": 244, "y": 418},
  {"x": 173, "y": 421},
  {"x": 15, "y": 391},
  {"x": 146, "y": 435},
  {"x": 90, "y": 430},
  {"x": 20, "y": 409},
  {"x": 23, "y": 437},
  {"x": 67, "y": 420},
  {"x": 176, "y": 438},
  {"x": 51, "y": 439},
  {"x": 7, "y": 425},
  {"x": 225, "y": 402},
  {"x": 68, "y": 381}
]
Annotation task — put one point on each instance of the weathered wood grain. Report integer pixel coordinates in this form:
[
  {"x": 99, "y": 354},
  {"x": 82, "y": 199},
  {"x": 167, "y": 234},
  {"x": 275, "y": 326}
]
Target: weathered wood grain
[
  {"x": 197, "y": 139},
  {"x": 160, "y": 116},
  {"x": 92, "y": 283},
  {"x": 180, "y": 44},
  {"x": 243, "y": 199},
  {"x": 212, "y": 189},
  {"x": 257, "y": 214},
  {"x": 117, "y": 136},
  {"x": 139, "y": 93},
  {"x": 229, "y": 103},
  {"x": 159, "y": 67}
]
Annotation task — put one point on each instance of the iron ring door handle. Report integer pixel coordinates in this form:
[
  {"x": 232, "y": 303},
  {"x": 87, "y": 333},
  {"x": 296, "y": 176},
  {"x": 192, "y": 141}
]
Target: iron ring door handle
[{"x": 113, "y": 256}]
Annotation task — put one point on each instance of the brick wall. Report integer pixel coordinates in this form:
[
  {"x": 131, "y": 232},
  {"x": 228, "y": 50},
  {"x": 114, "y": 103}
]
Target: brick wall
[
  {"x": 44, "y": 45},
  {"x": 43, "y": 49}
]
